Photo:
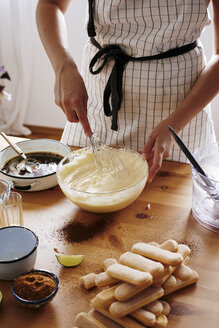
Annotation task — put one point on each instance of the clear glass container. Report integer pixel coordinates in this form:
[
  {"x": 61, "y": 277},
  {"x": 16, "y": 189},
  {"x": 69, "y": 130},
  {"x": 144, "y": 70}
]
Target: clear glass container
[{"x": 205, "y": 197}]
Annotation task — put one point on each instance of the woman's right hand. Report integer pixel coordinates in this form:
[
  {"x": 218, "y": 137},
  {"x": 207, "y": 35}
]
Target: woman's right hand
[{"x": 71, "y": 94}]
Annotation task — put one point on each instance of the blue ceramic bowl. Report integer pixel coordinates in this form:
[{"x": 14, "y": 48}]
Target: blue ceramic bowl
[
  {"x": 18, "y": 250},
  {"x": 39, "y": 302}
]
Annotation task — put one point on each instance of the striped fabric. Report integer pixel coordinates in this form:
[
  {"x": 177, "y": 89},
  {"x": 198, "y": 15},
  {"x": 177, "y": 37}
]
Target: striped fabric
[{"x": 151, "y": 90}]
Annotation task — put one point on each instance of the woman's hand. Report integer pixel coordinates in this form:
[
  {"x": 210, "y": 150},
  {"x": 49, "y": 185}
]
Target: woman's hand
[
  {"x": 157, "y": 148},
  {"x": 71, "y": 94}
]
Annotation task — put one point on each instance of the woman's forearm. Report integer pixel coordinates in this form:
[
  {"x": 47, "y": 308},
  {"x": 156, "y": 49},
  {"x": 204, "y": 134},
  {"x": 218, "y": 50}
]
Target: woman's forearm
[{"x": 52, "y": 30}]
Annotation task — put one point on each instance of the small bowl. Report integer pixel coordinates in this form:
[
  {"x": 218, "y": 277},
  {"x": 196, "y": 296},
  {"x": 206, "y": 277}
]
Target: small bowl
[
  {"x": 18, "y": 250},
  {"x": 32, "y": 276},
  {"x": 110, "y": 193},
  {"x": 41, "y": 182}
]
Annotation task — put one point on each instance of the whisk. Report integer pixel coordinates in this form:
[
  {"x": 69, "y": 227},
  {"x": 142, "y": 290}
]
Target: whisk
[{"x": 106, "y": 158}]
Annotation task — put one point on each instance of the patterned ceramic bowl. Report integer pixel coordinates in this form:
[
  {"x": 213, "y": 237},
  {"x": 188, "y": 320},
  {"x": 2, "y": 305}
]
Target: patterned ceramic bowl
[{"x": 35, "y": 288}]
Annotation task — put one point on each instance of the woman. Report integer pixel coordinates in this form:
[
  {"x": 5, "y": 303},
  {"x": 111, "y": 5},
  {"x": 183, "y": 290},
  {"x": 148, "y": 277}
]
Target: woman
[{"x": 154, "y": 74}]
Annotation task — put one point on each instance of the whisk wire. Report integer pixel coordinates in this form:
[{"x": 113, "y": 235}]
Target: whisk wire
[{"x": 105, "y": 159}]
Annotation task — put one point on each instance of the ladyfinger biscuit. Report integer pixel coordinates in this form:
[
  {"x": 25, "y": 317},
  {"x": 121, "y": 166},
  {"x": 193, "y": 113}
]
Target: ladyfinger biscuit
[
  {"x": 156, "y": 307},
  {"x": 144, "y": 316},
  {"x": 170, "y": 245},
  {"x": 125, "y": 290},
  {"x": 161, "y": 321},
  {"x": 170, "y": 282},
  {"x": 103, "y": 319},
  {"x": 88, "y": 280},
  {"x": 103, "y": 279},
  {"x": 130, "y": 275},
  {"x": 106, "y": 296},
  {"x": 153, "y": 243},
  {"x": 108, "y": 262},
  {"x": 141, "y": 263},
  {"x": 166, "y": 307},
  {"x": 84, "y": 320},
  {"x": 126, "y": 321},
  {"x": 158, "y": 254},
  {"x": 160, "y": 279},
  {"x": 184, "y": 250},
  {"x": 183, "y": 272},
  {"x": 148, "y": 295},
  {"x": 181, "y": 284}
]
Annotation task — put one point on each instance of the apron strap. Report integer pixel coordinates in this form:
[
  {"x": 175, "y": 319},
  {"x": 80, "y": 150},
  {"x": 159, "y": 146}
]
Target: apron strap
[{"x": 90, "y": 27}]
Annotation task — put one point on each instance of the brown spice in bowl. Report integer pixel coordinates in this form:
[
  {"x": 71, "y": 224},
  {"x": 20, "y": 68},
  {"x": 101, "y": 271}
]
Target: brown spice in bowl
[{"x": 34, "y": 286}]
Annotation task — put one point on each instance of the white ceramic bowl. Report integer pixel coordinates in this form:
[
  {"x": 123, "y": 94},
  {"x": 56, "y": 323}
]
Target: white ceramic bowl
[
  {"x": 33, "y": 183},
  {"x": 18, "y": 250},
  {"x": 125, "y": 189}
]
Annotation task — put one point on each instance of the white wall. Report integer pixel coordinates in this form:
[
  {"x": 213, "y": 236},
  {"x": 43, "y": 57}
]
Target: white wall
[{"x": 43, "y": 110}]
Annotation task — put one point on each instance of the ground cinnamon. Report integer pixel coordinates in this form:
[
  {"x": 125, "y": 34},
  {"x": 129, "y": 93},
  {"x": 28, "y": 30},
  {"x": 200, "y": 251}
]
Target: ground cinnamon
[{"x": 34, "y": 286}]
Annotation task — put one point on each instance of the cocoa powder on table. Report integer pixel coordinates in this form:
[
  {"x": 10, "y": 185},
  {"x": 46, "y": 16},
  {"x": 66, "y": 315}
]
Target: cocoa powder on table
[{"x": 76, "y": 231}]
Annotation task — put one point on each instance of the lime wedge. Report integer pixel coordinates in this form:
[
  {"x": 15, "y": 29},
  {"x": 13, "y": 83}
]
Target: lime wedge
[
  {"x": 69, "y": 260},
  {"x": 1, "y": 297}
]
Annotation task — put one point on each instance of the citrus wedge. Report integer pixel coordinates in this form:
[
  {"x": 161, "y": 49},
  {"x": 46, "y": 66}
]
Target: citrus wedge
[
  {"x": 69, "y": 260},
  {"x": 0, "y": 297}
]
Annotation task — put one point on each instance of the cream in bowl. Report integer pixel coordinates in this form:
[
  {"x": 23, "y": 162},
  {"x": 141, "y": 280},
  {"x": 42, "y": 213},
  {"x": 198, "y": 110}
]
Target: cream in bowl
[{"x": 104, "y": 190}]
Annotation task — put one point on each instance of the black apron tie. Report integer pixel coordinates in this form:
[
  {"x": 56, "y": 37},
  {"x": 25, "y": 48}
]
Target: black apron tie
[
  {"x": 113, "y": 87},
  {"x": 114, "y": 84},
  {"x": 90, "y": 26}
]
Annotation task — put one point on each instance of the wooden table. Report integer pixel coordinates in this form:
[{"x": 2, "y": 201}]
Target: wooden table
[{"x": 50, "y": 215}]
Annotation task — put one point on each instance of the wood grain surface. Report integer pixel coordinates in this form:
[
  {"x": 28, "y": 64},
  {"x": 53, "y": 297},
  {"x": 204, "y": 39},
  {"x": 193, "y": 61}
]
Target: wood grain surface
[{"x": 161, "y": 212}]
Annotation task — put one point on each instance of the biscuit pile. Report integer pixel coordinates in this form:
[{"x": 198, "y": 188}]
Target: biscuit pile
[{"x": 137, "y": 282}]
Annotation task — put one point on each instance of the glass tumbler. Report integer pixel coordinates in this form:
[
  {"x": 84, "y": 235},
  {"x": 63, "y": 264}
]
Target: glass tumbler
[
  {"x": 5, "y": 189},
  {"x": 11, "y": 212},
  {"x": 205, "y": 196}
]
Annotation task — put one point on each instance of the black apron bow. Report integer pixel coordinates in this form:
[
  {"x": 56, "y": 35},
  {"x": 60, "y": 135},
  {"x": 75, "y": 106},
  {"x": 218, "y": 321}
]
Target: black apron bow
[{"x": 113, "y": 87}]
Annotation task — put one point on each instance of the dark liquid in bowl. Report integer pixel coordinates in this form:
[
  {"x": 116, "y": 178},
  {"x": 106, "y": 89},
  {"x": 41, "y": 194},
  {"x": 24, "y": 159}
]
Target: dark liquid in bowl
[{"x": 37, "y": 164}]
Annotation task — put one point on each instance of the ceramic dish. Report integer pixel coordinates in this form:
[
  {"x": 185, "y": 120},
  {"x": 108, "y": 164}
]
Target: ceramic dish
[
  {"x": 40, "y": 182},
  {"x": 18, "y": 251},
  {"x": 34, "y": 283}
]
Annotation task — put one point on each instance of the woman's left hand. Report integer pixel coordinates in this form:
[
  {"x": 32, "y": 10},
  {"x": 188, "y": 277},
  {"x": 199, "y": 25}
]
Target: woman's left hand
[{"x": 157, "y": 148}]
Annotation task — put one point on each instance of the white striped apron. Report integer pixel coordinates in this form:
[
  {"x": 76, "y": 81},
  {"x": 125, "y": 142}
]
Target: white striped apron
[{"x": 151, "y": 90}]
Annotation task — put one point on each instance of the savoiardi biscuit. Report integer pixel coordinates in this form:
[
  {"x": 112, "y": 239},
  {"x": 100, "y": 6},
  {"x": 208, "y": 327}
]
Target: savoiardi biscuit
[
  {"x": 170, "y": 245},
  {"x": 88, "y": 280},
  {"x": 148, "y": 295},
  {"x": 155, "y": 307},
  {"x": 125, "y": 290},
  {"x": 84, "y": 320},
  {"x": 183, "y": 272},
  {"x": 126, "y": 321},
  {"x": 146, "y": 317},
  {"x": 161, "y": 321},
  {"x": 103, "y": 319},
  {"x": 141, "y": 263},
  {"x": 106, "y": 296},
  {"x": 181, "y": 284},
  {"x": 171, "y": 281},
  {"x": 130, "y": 275},
  {"x": 166, "y": 307},
  {"x": 108, "y": 262},
  {"x": 158, "y": 254},
  {"x": 103, "y": 279}
]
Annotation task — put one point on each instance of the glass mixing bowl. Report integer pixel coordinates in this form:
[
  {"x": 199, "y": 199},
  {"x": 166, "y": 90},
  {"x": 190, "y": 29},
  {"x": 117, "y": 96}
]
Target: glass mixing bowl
[{"x": 104, "y": 190}]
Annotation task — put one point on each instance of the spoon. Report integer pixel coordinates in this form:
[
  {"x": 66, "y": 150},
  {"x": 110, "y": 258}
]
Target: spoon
[
  {"x": 193, "y": 161},
  {"x": 29, "y": 166},
  {"x": 17, "y": 149}
]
